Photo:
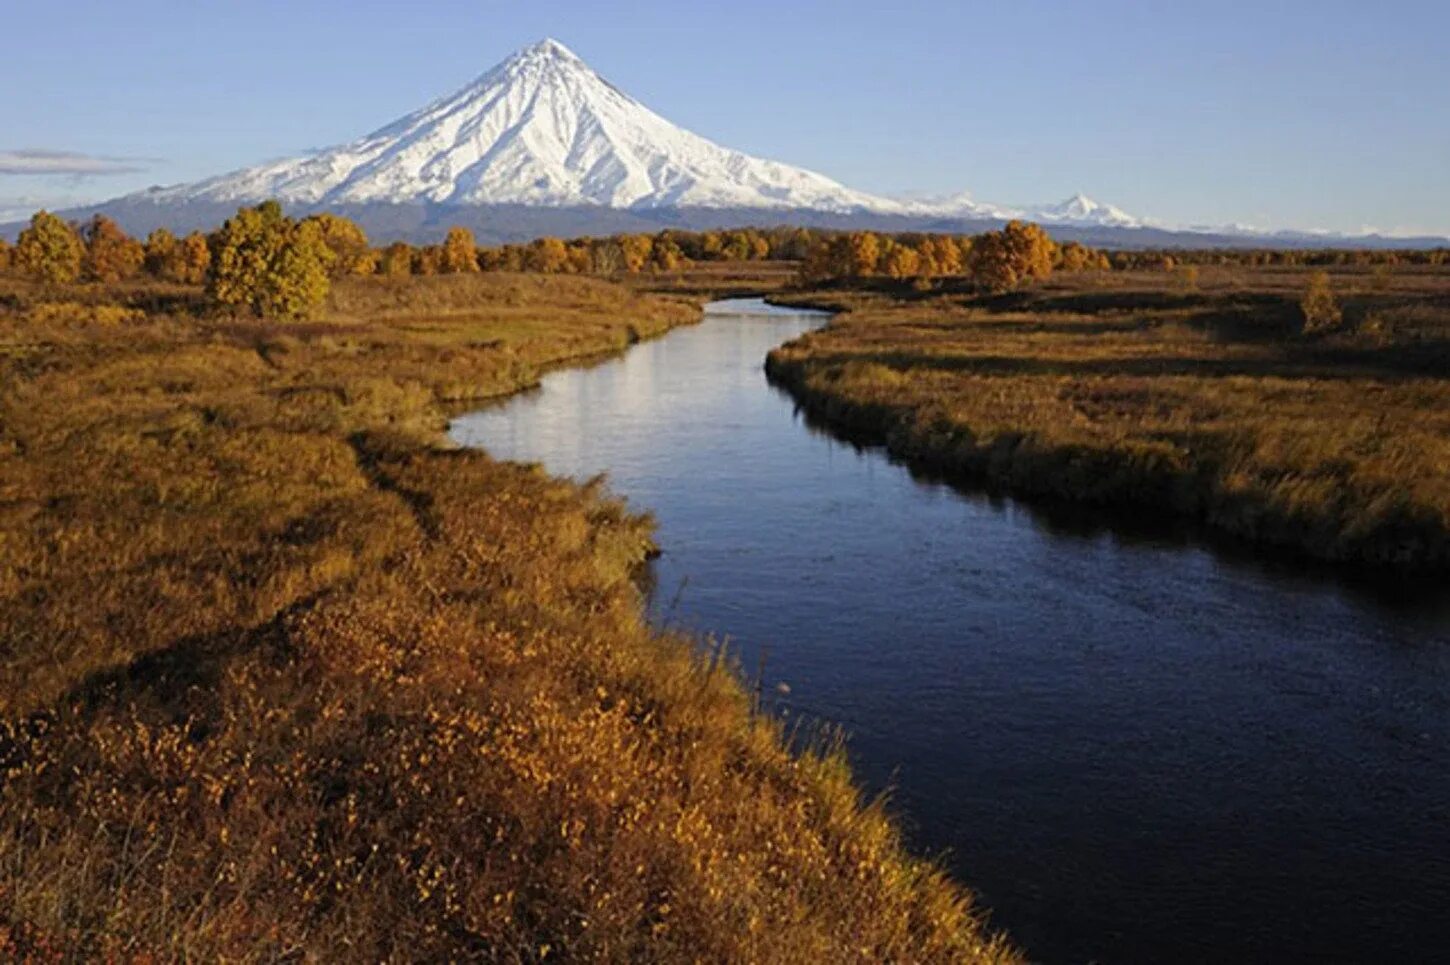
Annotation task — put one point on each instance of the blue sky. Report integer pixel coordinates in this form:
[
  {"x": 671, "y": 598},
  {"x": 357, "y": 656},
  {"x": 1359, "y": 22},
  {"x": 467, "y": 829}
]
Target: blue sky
[{"x": 1303, "y": 114}]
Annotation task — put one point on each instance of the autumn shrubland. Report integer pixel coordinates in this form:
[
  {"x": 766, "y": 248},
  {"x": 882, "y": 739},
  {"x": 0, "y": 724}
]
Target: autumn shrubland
[
  {"x": 1299, "y": 400},
  {"x": 286, "y": 678}
]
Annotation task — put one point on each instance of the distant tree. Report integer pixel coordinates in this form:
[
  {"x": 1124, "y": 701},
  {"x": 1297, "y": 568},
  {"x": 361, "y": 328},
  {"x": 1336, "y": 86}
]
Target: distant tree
[
  {"x": 1380, "y": 277},
  {"x": 1074, "y": 257},
  {"x": 111, "y": 255},
  {"x": 940, "y": 256},
  {"x": 1002, "y": 260},
  {"x": 1186, "y": 277},
  {"x": 581, "y": 258},
  {"x": 606, "y": 257},
  {"x": 667, "y": 255},
  {"x": 396, "y": 260},
  {"x": 1321, "y": 310},
  {"x": 459, "y": 253},
  {"x": 548, "y": 255},
  {"x": 348, "y": 243},
  {"x": 192, "y": 261},
  {"x": 268, "y": 263},
  {"x": 428, "y": 260},
  {"x": 161, "y": 250},
  {"x": 635, "y": 251},
  {"x": 49, "y": 249},
  {"x": 900, "y": 261},
  {"x": 857, "y": 254}
]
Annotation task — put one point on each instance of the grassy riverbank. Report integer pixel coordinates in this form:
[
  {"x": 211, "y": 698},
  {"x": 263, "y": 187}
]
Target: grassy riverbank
[
  {"x": 282, "y": 676},
  {"x": 1199, "y": 398}
]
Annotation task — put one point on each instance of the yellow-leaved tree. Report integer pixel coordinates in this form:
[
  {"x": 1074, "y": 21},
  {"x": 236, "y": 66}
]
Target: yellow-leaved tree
[
  {"x": 268, "y": 263},
  {"x": 49, "y": 249},
  {"x": 1020, "y": 252},
  {"x": 111, "y": 255},
  {"x": 345, "y": 238},
  {"x": 459, "y": 253},
  {"x": 1321, "y": 311},
  {"x": 161, "y": 247}
]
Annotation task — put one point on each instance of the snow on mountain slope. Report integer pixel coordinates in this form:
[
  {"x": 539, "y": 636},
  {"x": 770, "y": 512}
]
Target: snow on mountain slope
[
  {"x": 541, "y": 128},
  {"x": 1082, "y": 210}
]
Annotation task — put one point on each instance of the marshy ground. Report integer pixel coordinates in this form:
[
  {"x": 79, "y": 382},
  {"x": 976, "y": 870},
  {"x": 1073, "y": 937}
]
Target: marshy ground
[{"x": 1196, "y": 396}]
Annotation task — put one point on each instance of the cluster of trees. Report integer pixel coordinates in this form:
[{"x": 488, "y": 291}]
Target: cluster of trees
[
  {"x": 1285, "y": 257},
  {"x": 995, "y": 260},
  {"x": 259, "y": 260},
  {"x": 265, "y": 262},
  {"x": 98, "y": 250}
]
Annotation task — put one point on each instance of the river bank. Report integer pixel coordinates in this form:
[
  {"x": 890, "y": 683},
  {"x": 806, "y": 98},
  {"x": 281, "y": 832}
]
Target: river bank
[
  {"x": 285, "y": 674},
  {"x": 1127, "y": 391},
  {"x": 1134, "y": 747}
]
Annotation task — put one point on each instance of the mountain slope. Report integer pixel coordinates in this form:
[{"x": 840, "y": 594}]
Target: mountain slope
[{"x": 541, "y": 128}]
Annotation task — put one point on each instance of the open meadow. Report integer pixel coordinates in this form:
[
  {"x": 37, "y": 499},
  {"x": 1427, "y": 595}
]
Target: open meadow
[
  {"x": 284, "y": 675},
  {"x": 1194, "y": 393}
]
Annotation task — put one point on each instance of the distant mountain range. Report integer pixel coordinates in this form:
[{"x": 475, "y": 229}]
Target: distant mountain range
[{"x": 542, "y": 144}]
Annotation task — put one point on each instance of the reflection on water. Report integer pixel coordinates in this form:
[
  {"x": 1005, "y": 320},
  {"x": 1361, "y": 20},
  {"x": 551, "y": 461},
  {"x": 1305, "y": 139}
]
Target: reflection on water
[{"x": 1135, "y": 748}]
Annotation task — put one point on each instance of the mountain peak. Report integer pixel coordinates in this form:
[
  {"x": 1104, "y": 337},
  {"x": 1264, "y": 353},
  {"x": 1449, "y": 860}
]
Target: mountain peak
[
  {"x": 542, "y": 128},
  {"x": 547, "y": 50}
]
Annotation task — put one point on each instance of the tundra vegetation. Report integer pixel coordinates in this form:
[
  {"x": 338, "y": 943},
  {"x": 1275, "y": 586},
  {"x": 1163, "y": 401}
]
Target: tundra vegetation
[
  {"x": 1299, "y": 400},
  {"x": 285, "y": 677}
]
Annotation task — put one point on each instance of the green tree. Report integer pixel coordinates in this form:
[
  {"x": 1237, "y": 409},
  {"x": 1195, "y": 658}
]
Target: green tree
[
  {"x": 49, "y": 249},
  {"x": 268, "y": 263}
]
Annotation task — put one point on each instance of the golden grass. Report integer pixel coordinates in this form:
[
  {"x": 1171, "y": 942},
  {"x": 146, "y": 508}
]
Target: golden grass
[
  {"x": 1128, "y": 390},
  {"x": 284, "y": 678}
]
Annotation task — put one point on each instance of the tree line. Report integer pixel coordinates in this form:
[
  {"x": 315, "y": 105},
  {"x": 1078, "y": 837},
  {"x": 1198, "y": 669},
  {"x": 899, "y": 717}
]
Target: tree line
[{"x": 264, "y": 261}]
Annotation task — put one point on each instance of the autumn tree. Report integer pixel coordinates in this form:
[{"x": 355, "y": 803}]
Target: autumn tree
[
  {"x": 111, "y": 255},
  {"x": 268, "y": 263},
  {"x": 667, "y": 255},
  {"x": 900, "y": 261},
  {"x": 160, "y": 252},
  {"x": 1002, "y": 260},
  {"x": 940, "y": 256},
  {"x": 606, "y": 256},
  {"x": 192, "y": 261},
  {"x": 459, "y": 253},
  {"x": 49, "y": 249},
  {"x": 548, "y": 255},
  {"x": 635, "y": 250},
  {"x": 396, "y": 260},
  {"x": 7, "y": 254},
  {"x": 1321, "y": 310},
  {"x": 1074, "y": 257},
  {"x": 348, "y": 243}
]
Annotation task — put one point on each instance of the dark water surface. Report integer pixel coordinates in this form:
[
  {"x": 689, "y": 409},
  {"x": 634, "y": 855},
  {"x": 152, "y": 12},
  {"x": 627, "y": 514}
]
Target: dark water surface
[{"x": 1135, "y": 750}]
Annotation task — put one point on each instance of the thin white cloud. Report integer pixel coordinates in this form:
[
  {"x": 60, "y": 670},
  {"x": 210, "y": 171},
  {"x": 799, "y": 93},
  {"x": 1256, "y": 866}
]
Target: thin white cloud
[{"x": 38, "y": 161}]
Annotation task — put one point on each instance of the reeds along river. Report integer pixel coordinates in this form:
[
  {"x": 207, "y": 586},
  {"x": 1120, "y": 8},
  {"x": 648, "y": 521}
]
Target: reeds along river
[{"x": 1135, "y": 748}]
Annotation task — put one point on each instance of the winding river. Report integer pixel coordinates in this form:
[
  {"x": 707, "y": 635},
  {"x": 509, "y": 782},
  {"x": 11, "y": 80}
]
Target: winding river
[{"x": 1134, "y": 747}]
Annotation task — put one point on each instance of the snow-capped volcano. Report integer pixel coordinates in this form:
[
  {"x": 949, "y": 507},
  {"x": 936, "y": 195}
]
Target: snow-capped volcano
[
  {"x": 1082, "y": 210},
  {"x": 541, "y": 128}
]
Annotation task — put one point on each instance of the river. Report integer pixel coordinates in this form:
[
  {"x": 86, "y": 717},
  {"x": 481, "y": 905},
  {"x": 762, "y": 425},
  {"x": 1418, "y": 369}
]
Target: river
[{"x": 1133, "y": 746}]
